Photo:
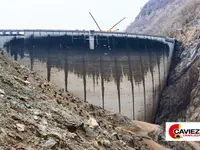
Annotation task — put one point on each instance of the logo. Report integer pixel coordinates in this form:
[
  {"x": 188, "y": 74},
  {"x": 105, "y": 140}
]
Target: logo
[
  {"x": 182, "y": 131},
  {"x": 173, "y": 129}
]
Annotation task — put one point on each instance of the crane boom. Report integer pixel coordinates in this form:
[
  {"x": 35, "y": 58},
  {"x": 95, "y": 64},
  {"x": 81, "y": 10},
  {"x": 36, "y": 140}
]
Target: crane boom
[
  {"x": 95, "y": 21},
  {"x": 116, "y": 24}
]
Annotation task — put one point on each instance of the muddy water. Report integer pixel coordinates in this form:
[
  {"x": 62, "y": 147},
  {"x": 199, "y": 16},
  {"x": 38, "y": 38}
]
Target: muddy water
[{"x": 124, "y": 81}]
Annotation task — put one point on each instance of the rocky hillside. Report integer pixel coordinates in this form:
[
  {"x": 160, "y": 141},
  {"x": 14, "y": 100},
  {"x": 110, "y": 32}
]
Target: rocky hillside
[
  {"x": 166, "y": 17},
  {"x": 180, "y": 100}
]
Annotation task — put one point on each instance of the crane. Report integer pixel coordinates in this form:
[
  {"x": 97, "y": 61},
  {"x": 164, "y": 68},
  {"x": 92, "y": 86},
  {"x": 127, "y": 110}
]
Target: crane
[
  {"x": 95, "y": 21},
  {"x": 116, "y": 25},
  {"x": 109, "y": 30}
]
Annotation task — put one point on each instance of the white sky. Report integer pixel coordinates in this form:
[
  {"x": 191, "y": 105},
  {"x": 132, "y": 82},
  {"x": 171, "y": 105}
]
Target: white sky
[{"x": 67, "y": 14}]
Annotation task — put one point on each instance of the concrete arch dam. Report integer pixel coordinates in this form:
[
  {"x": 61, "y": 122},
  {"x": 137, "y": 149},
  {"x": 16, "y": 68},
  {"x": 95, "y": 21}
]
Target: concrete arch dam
[{"x": 120, "y": 72}]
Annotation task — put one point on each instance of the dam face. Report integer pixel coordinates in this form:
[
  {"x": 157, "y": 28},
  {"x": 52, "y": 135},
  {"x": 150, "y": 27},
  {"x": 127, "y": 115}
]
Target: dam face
[{"x": 124, "y": 77}]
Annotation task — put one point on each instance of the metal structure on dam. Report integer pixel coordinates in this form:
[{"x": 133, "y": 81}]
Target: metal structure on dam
[{"x": 89, "y": 35}]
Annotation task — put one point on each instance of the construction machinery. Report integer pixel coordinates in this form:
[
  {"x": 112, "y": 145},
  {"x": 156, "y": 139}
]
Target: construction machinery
[{"x": 109, "y": 30}]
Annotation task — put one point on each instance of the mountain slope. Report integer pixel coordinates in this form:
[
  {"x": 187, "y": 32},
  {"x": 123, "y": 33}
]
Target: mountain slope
[{"x": 166, "y": 17}]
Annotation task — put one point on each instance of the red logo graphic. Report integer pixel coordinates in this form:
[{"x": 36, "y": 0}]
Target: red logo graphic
[{"x": 172, "y": 129}]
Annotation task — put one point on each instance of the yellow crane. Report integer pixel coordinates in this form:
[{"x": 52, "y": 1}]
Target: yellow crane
[
  {"x": 109, "y": 30},
  {"x": 95, "y": 21}
]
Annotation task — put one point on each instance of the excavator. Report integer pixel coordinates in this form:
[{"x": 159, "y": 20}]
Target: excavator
[{"x": 109, "y": 30}]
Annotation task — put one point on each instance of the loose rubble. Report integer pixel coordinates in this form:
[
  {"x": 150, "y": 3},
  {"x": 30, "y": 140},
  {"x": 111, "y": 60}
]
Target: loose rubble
[{"x": 20, "y": 127}]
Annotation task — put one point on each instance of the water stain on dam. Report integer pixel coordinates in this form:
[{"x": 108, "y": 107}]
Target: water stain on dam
[{"x": 127, "y": 81}]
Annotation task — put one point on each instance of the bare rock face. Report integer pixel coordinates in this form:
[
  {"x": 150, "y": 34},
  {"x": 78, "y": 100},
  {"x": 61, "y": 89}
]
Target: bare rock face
[
  {"x": 176, "y": 97},
  {"x": 193, "y": 110},
  {"x": 180, "y": 19},
  {"x": 166, "y": 17}
]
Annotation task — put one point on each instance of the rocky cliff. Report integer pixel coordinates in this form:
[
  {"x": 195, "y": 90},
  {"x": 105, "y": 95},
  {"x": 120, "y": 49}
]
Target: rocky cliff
[
  {"x": 180, "y": 99},
  {"x": 180, "y": 19}
]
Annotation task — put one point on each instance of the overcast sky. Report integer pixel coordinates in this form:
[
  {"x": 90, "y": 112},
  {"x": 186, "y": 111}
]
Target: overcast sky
[{"x": 67, "y": 14}]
